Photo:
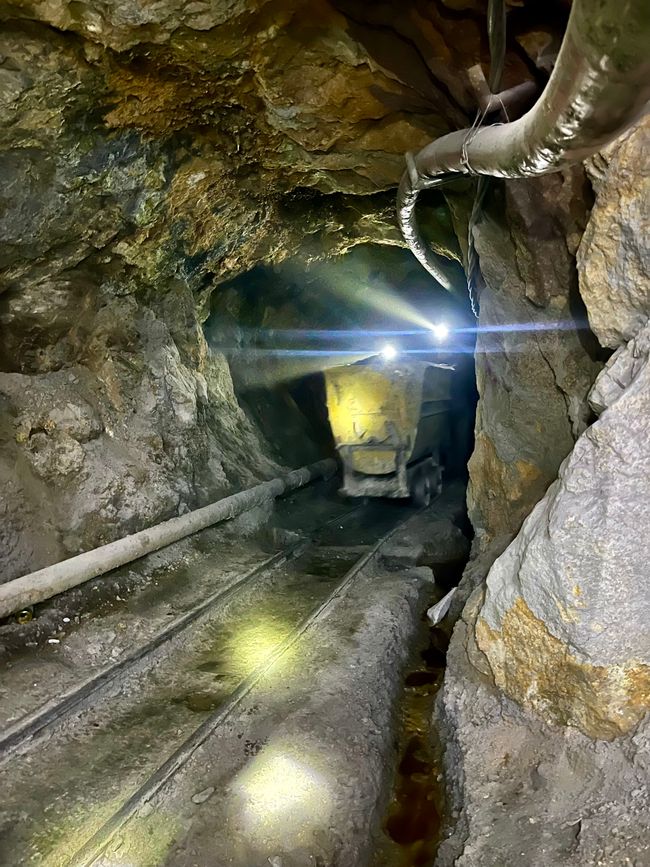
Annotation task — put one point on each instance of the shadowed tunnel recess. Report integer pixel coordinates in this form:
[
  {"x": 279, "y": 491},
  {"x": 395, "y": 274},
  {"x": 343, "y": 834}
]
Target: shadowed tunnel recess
[{"x": 281, "y": 327}]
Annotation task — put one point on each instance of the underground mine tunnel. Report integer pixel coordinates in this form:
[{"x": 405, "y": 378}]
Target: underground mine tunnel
[{"x": 324, "y": 433}]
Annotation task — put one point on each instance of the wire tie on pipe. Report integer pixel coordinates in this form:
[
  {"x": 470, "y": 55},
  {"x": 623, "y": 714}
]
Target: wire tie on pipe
[
  {"x": 505, "y": 111},
  {"x": 471, "y": 134},
  {"x": 464, "y": 158},
  {"x": 412, "y": 169}
]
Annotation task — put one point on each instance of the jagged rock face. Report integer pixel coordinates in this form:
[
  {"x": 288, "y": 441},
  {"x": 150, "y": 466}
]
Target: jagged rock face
[
  {"x": 556, "y": 627},
  {"x": 139, "y": 423},
  {"x": 109, "y": 399},
  {"x": 164, "y": 204},
  {"x": 150, "y": 153},
  {"x": 147, "y": 154},
  {"x": 558, "y": 623},
  {"x": 201, "y": 139},
  {"x": 534, "y": 376},
  {"x": 529, "y": 792},
  {"x": 614, "y": 258},
  {"x": 560, "y": 601}
]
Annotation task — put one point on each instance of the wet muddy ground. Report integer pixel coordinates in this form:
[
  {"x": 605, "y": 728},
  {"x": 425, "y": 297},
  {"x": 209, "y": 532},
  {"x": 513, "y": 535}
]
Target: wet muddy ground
[{"x": 64, "y": 788}]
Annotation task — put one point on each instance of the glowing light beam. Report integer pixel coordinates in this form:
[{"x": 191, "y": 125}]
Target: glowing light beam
[
  {"x": 388, "y": 352},
  {"x": 283, "y": 796},
  {"x": 440, "y": 331}
]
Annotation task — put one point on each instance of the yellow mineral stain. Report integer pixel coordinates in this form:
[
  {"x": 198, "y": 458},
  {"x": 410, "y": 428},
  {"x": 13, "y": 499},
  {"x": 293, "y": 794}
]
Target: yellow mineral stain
[
  {"x": 537, "y": 670},
  {"x": 504, "y": 491},
  {"x": 567, "y": 614}
]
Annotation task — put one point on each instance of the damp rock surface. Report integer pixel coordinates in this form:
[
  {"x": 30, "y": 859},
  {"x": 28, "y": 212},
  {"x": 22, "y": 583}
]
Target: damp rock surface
[
  {"x": 111, "y": 444},
  {"x": 152, "y": 153},
  {"x": 533, "y": 376},
  {"x": 148, "y": 153}
]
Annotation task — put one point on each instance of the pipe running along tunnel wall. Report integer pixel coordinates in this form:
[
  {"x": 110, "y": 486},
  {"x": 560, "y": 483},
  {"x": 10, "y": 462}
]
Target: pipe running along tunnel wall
[
  {"x": 600, "y": 85},
  {"x": 52, "y": 580}
]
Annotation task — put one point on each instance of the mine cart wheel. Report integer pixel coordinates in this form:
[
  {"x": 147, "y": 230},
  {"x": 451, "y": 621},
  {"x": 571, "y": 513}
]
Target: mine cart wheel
[{"x": 422, "y": 490}]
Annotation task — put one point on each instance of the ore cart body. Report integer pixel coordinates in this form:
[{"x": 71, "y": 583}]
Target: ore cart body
[{"x": 390, "y": 423}]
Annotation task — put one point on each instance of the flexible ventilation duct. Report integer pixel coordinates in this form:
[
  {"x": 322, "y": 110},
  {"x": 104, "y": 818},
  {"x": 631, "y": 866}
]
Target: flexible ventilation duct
[{"x": 600, "y": 85}]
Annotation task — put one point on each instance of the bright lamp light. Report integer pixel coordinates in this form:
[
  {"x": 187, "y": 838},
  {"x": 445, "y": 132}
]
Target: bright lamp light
[
  {"x": 440, "y": 331},
  {"x": 388, "y": 352}
]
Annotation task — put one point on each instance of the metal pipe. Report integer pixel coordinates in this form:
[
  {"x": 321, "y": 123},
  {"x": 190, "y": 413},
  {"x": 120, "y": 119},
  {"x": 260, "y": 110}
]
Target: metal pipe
[
  {"x": 600, "y": 85},
  {"x": 497, "y": 41},
  {"x": 508, "y": 101},
  {"x": 52, "y": 580}
]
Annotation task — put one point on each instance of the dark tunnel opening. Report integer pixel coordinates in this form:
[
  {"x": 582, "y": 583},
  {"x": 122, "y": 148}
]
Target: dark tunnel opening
[
  {"x": 281, "y": 327},
  {"x": 286, "y": 331}
]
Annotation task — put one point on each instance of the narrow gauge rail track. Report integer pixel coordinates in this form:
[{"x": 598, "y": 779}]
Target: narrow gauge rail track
[
  {"x": 28, "y": 728},
  {"x": 92, "y": 850},
  {"x": 37, "y": 780}
]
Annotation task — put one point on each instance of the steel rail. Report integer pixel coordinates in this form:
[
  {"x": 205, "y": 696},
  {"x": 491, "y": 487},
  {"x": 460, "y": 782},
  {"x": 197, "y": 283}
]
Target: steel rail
[
  {"x": 26, "y": 730},
  {"x": 97, "y": 843}
]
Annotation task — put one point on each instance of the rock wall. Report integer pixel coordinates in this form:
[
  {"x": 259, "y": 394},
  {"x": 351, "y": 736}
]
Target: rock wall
[
  {"x": 523, "y": 791},
  {"x": 153, "y": 151},
  {"x": 535, "y": 359},
  {"x": 139, "y": 423},
  {"x": 183, "y": 202},
  {"x": 562, "y": 620},
  {"x": 113, "y": 415},
  {"x": 614, "y": 257},
  {"x": 545, "y": 699},
  {"x": 559, "y": 627}
]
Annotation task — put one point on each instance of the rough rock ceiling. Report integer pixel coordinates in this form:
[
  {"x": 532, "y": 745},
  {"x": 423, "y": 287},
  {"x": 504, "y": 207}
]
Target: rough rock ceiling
[{"x": 196, "y": 139}]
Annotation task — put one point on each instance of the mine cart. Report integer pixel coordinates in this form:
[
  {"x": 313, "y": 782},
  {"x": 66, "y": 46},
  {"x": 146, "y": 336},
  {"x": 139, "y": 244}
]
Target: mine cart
[{"x": 390, "y": 422}]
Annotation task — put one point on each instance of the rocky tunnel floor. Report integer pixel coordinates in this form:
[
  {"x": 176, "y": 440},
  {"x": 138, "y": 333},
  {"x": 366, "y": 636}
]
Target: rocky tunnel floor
[{"x": 265, "y": 728}]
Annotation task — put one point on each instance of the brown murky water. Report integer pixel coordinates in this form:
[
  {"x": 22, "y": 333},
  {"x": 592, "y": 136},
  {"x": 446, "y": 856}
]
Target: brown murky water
[{"x": 413, "y": 821}]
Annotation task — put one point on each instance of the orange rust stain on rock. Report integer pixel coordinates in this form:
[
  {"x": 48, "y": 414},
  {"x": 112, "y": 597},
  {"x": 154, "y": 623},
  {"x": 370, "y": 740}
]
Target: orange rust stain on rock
[
  {"x": 159, "y": 102},
  {"x": 537, "y": 670},
  {"x": 504, "y": 492}
]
